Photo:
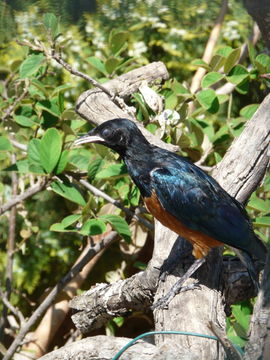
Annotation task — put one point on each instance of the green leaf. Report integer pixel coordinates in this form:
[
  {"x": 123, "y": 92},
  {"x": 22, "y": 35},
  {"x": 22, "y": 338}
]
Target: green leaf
[
  {"x": 118, "y": 41},
  {"x": 97, "y": 64},
  {"x": 243, "y": 87},
  {"x": 50, "y": 149},
  {"x": 64, "y": 225},
  {"x": 179, "y": 88},
  {"x": 139, "y": 99},
  {"x": 222, "y": 98},
  {"x": 119, "y": 321},
  {"x": 62, "y": 88},
  {"x": 68, "y": 191},
  {"x": 211, "y": 78},
  {"x": 262, "y": 63},
  {"x": 111, "y": 64},
  {"x": 51, "y": 24},
  {"x": 237, "y": 74},
  {"x": 208, "y": 99},
  {"x": 71, "y": 219},
  {"x": 49, "y": 105},
  {"x": 5, "y": 144},
  {"x": 251, "y": 52},
  {"x": 34, "y": 157},
  {"x": 249, "y": 110},
  {"x": 58, "y": 227},
  {"x": 232, "y": 59},
  {"x": 242, "y": 316},
  {"x": 31, "y": 65},
  {"x": 262, "y": 221},
  {"x": 24, "y": 121},
  {"x": 80, "y": 158},
  {"x": 119, "y": 224},
  {"x": 224, "y": 51},
  {"x": 112, "y": 170},
  {"x": 94, "y": 167},
  {"x": 258, "y": 204},
  {"x": 40, "y": 86},
  {"x": 93, "y": 227},
  {"x": 200, "y": 63},
  {"x": 216, "y": 62},
  {"x": 62, "y": 163},
  {"x": 21, "y": 166}
]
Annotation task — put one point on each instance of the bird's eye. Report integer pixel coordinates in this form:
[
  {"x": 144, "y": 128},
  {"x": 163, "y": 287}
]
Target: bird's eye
[{"x": 106, "y": 133}]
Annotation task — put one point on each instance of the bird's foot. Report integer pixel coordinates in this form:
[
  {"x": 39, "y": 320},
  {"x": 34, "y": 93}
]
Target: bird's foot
[
  {"x": 163, "y": 302},
  {"x": 171, "y": 263}
]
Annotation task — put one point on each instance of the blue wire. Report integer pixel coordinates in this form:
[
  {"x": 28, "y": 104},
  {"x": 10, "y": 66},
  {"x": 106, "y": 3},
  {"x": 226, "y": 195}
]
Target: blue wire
[{"x": 130, "y": 343}]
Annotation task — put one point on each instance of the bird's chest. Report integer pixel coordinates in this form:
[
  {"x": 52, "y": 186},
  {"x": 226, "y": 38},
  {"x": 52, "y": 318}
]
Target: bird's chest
[{"x": 140, "y": 174}]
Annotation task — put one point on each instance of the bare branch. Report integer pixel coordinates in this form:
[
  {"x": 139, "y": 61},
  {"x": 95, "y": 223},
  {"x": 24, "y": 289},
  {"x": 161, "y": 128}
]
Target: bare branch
[
  {"x": 25, "y": 195},
  {"x": 18, "y": 145},
  {"x": 13, "y": 106},
  {"x": 14, "y": 310},
  {"x": 10, "y": 248}
]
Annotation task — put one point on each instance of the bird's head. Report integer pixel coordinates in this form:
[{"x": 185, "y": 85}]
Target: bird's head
[{"x": 117, "y": 134}]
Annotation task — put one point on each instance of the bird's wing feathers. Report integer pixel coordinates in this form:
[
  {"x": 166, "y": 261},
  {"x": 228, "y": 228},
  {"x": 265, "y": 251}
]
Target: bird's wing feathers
[{"x": 200, "y": 203}]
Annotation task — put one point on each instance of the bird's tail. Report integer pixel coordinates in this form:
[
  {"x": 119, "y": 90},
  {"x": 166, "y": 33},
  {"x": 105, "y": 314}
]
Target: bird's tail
[
  {"x": 248, "y": 262},
  {"x": 258, "y": 248}
]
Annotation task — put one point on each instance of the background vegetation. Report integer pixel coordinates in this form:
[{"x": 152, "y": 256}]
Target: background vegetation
[{"x": 39, "y": 124}]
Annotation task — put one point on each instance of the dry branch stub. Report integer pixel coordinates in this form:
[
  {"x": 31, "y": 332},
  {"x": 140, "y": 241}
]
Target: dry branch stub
[{"x": 96, "y": 106}]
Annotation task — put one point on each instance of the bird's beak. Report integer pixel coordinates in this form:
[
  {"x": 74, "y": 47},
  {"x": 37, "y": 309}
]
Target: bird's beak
[{"x": 89, "y": 139}]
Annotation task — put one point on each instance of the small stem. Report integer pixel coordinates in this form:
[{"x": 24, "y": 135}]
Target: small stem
[
  {"x": 100, "y": 193},
  {"x": 10, "y": 248}
]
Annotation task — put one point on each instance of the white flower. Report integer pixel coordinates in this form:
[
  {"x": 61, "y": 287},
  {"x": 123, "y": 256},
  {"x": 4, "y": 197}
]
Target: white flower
[
  {"x": 179, "y": 32},
  {"x": 167, "y": 119},
  {"x": 138, "y": 48}
]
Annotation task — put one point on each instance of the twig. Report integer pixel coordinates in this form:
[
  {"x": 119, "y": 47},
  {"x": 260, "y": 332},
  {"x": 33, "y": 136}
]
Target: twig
[
  {"x": 10, "y": 247},
  {"x": 29, "y": 192},
  {"x": 53, "y": 54},
  {"x": 12, "y": 308},
  {"x": 129, "y": 212},
  {"x": 18, "y": 145},
  {"x": 55, "y": 291},
  {"x": 57, "y": 57},
  {"x": 208, "y": 52},
  {"x": 12, "y": 107}
]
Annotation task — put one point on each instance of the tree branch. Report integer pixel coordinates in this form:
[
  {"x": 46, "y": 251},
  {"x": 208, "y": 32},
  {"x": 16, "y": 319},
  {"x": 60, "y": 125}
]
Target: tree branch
[
  {"x": 25, "y": 195},
  {"x": 10, "y": 248}
]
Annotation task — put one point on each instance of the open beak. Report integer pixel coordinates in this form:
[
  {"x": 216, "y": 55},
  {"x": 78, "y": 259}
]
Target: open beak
[{"x": 88, "y": 139}]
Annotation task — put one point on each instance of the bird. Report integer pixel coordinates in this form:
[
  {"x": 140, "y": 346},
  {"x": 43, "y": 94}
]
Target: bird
[{"x": 181, "y": 195}]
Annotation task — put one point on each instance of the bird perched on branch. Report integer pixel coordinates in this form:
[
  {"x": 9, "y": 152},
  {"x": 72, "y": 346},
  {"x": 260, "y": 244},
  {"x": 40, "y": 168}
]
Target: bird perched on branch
[{"x": 181, "y": 195}]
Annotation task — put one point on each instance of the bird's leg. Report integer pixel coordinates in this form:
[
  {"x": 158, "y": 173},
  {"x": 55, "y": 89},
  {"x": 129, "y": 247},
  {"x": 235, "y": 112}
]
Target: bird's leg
[
  {"x": 181, "y": 253},
  {"x": 163, "y": 302}
]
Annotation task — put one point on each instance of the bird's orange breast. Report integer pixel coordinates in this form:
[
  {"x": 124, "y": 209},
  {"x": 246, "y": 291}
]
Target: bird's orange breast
[{"x": 201, "y": 243}]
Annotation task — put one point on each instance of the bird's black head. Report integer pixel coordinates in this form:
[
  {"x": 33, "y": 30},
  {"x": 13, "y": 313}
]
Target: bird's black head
[{"x": 120, "y": 135}]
